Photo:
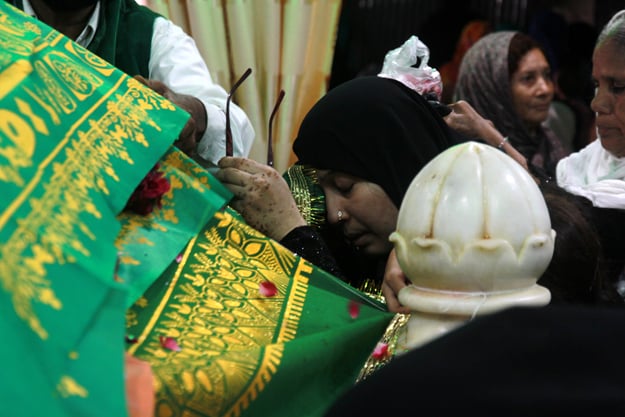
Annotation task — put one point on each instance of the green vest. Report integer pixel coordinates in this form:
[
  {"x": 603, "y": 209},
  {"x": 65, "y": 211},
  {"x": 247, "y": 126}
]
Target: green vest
[{"x": 124, "y": 35}]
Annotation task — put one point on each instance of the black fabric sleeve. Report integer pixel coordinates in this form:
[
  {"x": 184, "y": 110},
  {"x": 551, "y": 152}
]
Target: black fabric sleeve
[{"x": 307, "y": 243}]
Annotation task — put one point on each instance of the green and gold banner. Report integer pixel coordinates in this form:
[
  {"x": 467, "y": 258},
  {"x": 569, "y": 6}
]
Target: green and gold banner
[
  {"x": 220, "y": 347},
  {"x": 147, "y": 244},
  {"x": 76, "y": 137},
  {"x": 232, "y": 323}
]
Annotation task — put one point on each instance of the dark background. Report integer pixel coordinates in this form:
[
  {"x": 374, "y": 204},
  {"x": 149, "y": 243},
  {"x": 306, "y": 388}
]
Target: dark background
[{"x": 368, "y": 29}]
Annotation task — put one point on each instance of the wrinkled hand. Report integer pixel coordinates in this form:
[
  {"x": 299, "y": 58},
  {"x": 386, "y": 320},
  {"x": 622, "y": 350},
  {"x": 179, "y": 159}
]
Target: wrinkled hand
[
  {"x": 196, "y": 125},
  {"x": 394, "y": 281},
  {"x": 261, "y": 196},
  {"x": 465, "y": 120}
]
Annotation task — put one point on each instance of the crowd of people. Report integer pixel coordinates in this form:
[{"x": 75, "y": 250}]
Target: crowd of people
[
  {"x": 360, "y": 146},
  {"x": 505, "y": 91}
]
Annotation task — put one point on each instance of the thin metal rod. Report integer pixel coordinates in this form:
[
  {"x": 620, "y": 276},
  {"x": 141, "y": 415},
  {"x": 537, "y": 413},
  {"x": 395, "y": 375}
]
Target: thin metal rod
[
  {"x": 236, "y": 85},
  {"x": 270, "y": 134}
]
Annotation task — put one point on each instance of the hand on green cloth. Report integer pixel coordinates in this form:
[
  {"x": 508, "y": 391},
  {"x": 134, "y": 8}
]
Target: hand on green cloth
[
  {"x": 195, "y": 127},
  {"x": 261, "y": 196}
]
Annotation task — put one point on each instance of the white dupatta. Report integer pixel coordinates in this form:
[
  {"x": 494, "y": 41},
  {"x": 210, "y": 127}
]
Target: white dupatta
[{"x": 596, "y": 174}]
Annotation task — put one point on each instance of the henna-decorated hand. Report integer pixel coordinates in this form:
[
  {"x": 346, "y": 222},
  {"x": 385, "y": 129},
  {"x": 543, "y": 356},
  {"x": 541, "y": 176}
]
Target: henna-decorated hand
[{"x": 261, "y": 196}]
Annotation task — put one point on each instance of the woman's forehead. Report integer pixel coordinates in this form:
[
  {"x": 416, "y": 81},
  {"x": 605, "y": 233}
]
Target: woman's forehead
[{"x": 608, "y": 62}]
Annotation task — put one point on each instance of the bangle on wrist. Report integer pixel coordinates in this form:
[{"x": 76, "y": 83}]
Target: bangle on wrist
[{"x": 502, "y": 143}]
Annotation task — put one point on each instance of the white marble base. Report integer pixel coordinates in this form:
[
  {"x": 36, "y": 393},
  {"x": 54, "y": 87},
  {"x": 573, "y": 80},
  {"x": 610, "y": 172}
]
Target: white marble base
[{"x": 434, "y": 313}]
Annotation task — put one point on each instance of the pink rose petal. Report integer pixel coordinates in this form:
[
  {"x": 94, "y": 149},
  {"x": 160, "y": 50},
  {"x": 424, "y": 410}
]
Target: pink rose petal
[
  {"x": 380, "y": 351},
  {"x": 169, "y": 343},
  {"x": 267, "y": 289},
  {"x": 354, "y": 308}
]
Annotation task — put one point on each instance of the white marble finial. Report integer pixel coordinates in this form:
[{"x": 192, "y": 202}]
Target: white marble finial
[{"x": 473, "y": 236}]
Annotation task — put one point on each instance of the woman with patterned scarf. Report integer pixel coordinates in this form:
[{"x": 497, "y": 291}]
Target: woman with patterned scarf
[{"x": 506, "y": 78}]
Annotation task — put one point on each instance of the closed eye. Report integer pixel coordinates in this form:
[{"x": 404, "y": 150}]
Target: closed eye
[
  {"x": 617, "y": 89},
  {"x": 344, "y": 185}
]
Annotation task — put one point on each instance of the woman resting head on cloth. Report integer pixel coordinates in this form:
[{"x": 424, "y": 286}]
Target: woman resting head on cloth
[
  {"x": 507, "y": 79},
  {"x": 367, "y": 140}
]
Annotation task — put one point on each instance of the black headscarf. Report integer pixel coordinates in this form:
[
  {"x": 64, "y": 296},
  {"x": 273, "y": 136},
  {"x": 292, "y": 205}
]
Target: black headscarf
[{"x": 376, "y": 129}]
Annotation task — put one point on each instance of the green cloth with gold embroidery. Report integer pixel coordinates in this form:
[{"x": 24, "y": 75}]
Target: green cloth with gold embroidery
[
  {"x": 76, "y": 137},
  {"x": 147, "y": 244},
  {"x": 124, "y": 35},
  {"x": 242, "y": 354}
]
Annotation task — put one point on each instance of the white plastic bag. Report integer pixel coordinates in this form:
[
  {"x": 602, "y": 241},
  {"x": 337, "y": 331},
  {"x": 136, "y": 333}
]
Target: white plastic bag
[{"x": 399, "y": 64}]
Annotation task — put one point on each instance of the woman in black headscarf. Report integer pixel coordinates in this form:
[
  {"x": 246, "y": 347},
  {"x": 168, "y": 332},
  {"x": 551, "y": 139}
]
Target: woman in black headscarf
[
  {"x": 367, "y": 139},
  {"x": 373, "y": 128}
]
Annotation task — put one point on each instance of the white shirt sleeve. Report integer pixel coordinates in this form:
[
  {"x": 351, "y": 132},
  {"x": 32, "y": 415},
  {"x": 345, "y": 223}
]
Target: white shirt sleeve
[{"x": 176, "y": 61}]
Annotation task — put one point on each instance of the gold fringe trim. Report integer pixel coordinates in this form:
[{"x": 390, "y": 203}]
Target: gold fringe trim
[{"x": 307, "y": 193}]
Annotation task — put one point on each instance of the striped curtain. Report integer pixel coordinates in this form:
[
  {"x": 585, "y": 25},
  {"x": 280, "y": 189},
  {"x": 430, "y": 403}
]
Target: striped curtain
[{"x": 288, "y": 44}]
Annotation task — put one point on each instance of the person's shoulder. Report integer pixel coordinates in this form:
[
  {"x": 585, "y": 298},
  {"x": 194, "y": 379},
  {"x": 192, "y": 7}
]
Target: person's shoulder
[{"x": 169, "y": 33}]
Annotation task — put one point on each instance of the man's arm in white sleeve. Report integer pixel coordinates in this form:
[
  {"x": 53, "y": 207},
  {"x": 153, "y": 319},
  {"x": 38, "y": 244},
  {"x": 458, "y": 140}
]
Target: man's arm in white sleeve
[{"x": 176, "y": 62}]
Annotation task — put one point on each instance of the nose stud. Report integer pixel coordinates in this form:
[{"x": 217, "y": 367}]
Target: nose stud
[{"x": 339, "y": 215}]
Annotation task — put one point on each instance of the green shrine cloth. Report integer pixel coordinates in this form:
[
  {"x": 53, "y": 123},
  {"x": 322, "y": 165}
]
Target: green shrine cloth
[
  {"x": 76, "y": 137},
  {"x": 148, "y": 244},
  {"x": 243, "y": 354},
  {"x": 124, "y": 35}
]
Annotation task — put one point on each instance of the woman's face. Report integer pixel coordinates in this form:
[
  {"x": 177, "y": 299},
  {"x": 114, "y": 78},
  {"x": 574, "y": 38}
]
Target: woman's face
[
  {"x": 368, "y": 214},
  {"x": 608, "y": 73},
  {"x": 532, "y": 88}
]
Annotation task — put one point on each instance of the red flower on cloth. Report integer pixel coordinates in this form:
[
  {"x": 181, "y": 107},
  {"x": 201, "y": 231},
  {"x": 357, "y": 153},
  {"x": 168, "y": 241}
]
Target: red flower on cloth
[
  {"x": 353, "y": 307},
  {"x": 267, "y": 289},
  {"x": 380, "y": 351},
  {"x": 169, "y": 343},
  {"x": 149, "y": 192}
]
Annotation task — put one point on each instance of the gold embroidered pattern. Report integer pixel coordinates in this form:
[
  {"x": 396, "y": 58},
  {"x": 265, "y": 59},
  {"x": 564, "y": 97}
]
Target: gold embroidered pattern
[
  {"x": 68, "y": 387},
  {"x": 51, "y": 213},
  {"x": 174, "y": 167},
  {"x": 389, "y": 337},
  {"x": 197, "y": 173},
  {"x": 231, "y": 337}
]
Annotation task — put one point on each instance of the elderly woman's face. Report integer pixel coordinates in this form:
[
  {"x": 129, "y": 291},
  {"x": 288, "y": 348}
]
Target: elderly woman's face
[
  {"x": 608, "y": 73},
  {"x": 362, "y": 209},
  {"x": 532, "y": 88}
]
